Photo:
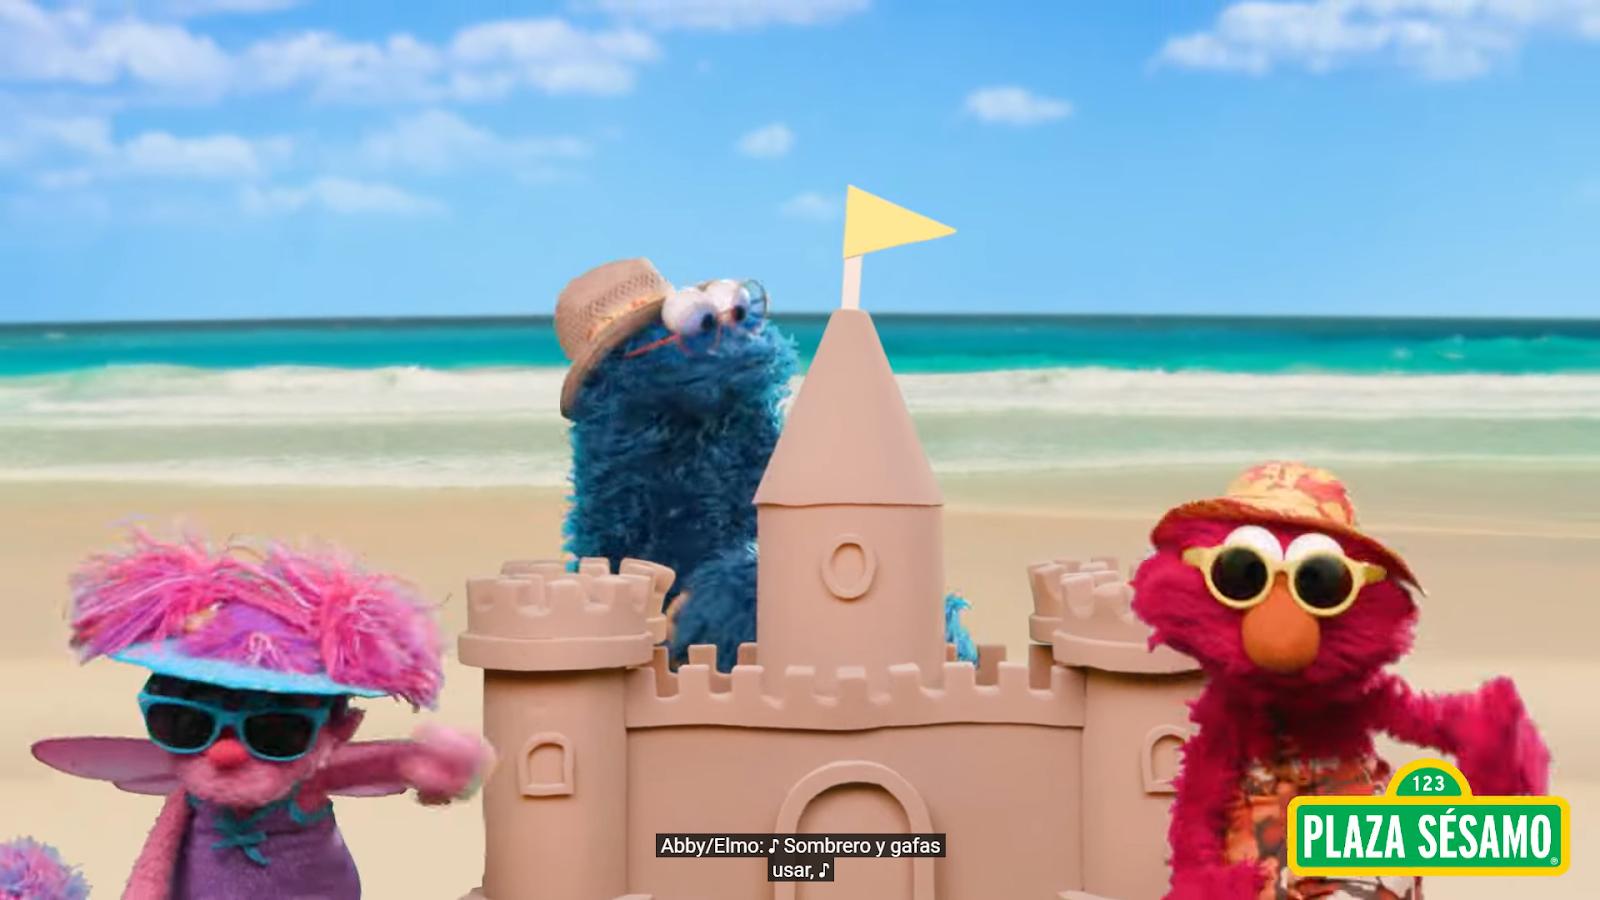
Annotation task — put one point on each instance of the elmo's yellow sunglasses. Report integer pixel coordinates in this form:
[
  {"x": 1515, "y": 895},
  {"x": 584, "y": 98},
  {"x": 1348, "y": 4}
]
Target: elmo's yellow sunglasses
[{"x": 1322, "y": 579}]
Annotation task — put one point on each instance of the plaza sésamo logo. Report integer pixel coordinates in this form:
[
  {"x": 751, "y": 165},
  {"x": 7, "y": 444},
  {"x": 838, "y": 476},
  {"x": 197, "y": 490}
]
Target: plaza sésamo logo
[{"x": 1428, "y": 823}]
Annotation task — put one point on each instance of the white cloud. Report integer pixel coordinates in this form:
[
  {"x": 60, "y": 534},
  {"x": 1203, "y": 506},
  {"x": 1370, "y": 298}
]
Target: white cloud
[
  {"x": 182, "y": 9},
  {"x": 767, "y": 142},
  {"x": 197, "y": 8},
  {"x": 332, "y": 68},
  {"x": 70, "y": 45},
  {"x": 551, "y": 55},
  {"x": 75, "y": 46},
  {"x": 1439, "y": 39},
  {"x": 78, "y": 150},
  {"x": 729, "y": 15},
  {"x": 440, "y": 141},
  {"x": 214, "y": 156},
  {"x": 1011, "y": 105},
  {"x": 66, "y": 179},
  {"x": 811, "y": 205},
  {"x": 85, "y": 135},
  {"x": 342, "y": 196}
]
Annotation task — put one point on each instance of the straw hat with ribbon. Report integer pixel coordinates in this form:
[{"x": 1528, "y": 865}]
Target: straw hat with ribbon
[
  {"x": 1295, "y": 494},
  {"x": 599, "y": 310}
]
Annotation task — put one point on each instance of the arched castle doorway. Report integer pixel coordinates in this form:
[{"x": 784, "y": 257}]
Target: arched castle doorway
[{"x": 858, "y": 797}]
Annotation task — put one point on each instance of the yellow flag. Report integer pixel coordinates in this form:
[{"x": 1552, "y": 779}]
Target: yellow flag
[{"x": 872, "y": 223}]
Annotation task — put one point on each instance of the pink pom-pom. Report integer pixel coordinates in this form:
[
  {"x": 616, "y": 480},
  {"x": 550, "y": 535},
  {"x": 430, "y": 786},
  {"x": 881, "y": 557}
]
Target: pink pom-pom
[{"x": 30, "y": 870}]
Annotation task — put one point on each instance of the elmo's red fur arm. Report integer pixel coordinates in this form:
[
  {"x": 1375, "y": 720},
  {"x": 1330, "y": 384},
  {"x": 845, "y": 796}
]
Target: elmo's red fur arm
[
  {"x": 1213, "y": 763},
  {"x": 1488, "y": 730}
]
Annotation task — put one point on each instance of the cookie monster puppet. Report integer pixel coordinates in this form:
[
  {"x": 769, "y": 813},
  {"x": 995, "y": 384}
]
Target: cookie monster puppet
[{"x": 674, "y": 396}]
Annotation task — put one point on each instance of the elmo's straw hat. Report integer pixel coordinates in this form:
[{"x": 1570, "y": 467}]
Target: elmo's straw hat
[
  {"x": 273, "y": 619},
  {"x": 1290, "y": 493}
]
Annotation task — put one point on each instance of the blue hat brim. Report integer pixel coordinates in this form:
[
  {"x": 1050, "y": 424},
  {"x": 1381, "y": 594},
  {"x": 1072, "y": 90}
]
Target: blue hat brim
[{"x": 167, "y": 658}]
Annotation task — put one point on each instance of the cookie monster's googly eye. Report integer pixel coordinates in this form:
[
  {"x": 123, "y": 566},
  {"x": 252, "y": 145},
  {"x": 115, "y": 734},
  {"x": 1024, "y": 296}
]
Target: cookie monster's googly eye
[
  {"x": 732, "y": 304},
  {"x": 689, "y": 313},
  {"x": 755, "y": 299}
]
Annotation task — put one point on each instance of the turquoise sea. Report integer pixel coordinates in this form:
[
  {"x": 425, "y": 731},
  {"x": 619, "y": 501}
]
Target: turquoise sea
[
  {"x": 473, "y": 401},
  {"x": 916, "y": 344}
]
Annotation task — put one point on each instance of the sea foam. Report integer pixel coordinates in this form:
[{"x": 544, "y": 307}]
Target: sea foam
[{"x": 500, "y": 426}]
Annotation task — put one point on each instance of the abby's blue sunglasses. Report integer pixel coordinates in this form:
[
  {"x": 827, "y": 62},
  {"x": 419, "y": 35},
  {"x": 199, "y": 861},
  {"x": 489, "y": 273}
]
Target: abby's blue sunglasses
[{"x": 270, "y": 730}]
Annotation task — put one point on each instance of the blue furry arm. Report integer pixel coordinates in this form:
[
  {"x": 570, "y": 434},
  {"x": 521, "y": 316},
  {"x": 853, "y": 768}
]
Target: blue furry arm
[
  {"x": 721, "y": 606},
  {"x": 955, "y": 631}
]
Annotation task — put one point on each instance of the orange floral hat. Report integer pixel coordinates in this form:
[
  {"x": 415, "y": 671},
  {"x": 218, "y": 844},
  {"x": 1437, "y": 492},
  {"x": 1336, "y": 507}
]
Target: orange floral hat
[{"x": 1291, "y": 493}]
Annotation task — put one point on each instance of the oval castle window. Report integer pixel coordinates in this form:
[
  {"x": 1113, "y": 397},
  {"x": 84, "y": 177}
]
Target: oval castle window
[{"x": 848, "y": 567}]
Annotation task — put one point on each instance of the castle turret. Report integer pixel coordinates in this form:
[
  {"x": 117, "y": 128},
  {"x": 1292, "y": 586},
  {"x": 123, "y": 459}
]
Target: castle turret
[
  {"x": 1135, "y": 718},
  {"x": 554, "y": 645},
  {"x": 851, "y": 569}
]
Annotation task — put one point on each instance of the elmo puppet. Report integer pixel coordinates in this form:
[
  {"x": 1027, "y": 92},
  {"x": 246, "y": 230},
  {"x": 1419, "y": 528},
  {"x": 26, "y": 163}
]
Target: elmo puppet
[{"x": 1294, "y": 613}]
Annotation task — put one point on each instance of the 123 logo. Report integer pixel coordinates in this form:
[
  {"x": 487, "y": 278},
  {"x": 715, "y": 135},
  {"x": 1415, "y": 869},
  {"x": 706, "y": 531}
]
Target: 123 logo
[{"x": 1429, "y": 823}]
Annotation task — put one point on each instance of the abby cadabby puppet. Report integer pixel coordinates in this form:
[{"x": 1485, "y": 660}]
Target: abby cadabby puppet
[
  {"x": 1295, "y": 614},
  {"x": 255, "y": 658}
]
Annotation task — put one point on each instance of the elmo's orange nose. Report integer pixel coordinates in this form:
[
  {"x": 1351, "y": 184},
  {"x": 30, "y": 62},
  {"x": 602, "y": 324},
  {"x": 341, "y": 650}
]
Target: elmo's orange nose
[
  {"x": 1279, "y": 636},
  {"x": 227, "y": 753}
]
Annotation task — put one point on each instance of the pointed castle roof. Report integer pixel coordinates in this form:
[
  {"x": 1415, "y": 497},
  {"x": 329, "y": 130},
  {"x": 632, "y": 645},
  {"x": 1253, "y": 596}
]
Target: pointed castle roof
[{"x": 849, "y": 439}]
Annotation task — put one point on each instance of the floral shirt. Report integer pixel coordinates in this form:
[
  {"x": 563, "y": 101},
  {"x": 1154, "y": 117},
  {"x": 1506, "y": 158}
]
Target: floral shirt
[{"x": 1258, "y": 825}]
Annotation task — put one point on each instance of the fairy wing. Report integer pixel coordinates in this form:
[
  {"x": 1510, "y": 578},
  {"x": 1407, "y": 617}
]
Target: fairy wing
[
  {"x": 132, "y": 764},
  {"x": 139, "y": 767}
]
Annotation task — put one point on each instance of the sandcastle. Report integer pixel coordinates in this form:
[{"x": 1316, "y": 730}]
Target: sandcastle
[{"x": 848, "y": 715}]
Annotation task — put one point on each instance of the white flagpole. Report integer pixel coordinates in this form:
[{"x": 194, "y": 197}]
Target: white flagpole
[{"x": 850, "y": 298}]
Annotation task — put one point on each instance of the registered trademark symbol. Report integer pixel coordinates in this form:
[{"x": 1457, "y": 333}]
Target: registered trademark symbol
[{"x": 1555, "y": 861}]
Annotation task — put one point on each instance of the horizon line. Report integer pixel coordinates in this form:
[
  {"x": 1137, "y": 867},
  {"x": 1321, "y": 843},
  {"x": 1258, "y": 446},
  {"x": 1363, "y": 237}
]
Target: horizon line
[{"x": 489, "y": 318}]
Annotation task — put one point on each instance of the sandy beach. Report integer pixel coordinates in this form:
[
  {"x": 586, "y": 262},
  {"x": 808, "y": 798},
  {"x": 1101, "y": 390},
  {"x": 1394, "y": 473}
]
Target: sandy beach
[{"x": 1511, "y": 563}]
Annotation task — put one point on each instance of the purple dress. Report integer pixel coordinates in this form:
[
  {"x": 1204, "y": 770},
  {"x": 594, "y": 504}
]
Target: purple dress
[{"x": 278, "y": 851}]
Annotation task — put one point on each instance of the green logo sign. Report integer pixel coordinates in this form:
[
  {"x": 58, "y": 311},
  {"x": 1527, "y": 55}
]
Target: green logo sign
[{"x": 1429, "y": 823}]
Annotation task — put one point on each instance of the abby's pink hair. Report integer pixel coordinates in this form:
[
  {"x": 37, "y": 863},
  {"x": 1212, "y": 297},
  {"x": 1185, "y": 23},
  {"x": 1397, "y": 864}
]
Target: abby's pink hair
[{"x": 281, "y": 608}]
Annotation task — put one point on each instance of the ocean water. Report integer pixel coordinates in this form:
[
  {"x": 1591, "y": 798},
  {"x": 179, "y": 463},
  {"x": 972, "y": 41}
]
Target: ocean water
[{"x": 473, "y": 402}]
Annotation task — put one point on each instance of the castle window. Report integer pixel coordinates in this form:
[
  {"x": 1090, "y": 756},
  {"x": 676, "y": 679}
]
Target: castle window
[
  {"x": 544, "y": 769},
  {"x": 848, "y": 567},
  {"x": 1159, "y": 758}
]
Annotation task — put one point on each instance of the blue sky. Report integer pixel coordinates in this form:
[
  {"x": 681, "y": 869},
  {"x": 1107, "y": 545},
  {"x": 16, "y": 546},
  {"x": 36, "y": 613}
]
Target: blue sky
[{"x": 265, "y": 158}]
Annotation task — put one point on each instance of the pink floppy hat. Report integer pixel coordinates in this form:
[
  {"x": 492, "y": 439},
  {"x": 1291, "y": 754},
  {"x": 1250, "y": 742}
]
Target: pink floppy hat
[{"x": 279, "y": 619}]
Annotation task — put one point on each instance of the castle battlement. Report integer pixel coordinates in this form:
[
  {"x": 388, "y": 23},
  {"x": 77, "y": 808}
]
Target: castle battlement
[
  {"x": 1035, "y": 692},
  {"x": 1084, "y": 611},
  {"x": 539, "y": 616}
]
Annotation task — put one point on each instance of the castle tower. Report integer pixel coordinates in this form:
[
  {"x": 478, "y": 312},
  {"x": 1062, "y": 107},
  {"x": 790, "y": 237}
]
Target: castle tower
[
  {"x": 851, "y": 570},
  {"x": 555, "y": 645},
  {"x": 1136, "y": 716}
]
